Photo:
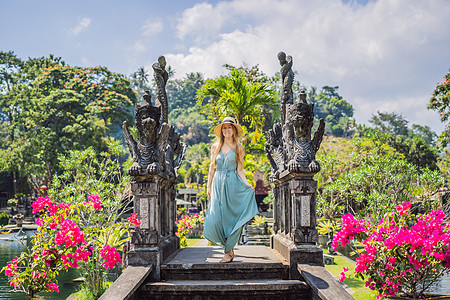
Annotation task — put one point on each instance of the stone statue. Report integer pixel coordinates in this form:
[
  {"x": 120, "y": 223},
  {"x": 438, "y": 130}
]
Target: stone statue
[
  {"x": 274, "y": 150},
  {"x": 144, "y": 152},
  {"x": 301, "y": 150},
  {"x": 290, "y": 147},
  {"x": 161, "y": 76},
  {"x": 287, "y": 78},
  {"x": 157, "y": 143},
  {"x": 174, "y": 149}
]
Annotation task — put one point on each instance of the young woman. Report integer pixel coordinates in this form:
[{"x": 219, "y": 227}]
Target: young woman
[{"x": 232, "y": 199}]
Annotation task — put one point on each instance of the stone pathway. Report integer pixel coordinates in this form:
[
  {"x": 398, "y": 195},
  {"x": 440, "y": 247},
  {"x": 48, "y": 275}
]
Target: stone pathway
[{"x": 202, "y": 254}]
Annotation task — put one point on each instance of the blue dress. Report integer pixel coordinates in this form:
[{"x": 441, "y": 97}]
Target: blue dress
[{"x": 232, "y": 203}]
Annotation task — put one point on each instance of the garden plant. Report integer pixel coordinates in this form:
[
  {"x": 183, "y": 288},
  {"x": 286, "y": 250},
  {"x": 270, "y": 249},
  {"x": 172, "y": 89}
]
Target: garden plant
[
  {"x": 68, "y": 237},
  {"x": 403, "y": 254},
  {"x": 184, "y": 224}
]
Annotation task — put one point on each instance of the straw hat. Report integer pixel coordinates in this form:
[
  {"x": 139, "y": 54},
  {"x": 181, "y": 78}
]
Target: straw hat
[{"x": 228, "y": 120}]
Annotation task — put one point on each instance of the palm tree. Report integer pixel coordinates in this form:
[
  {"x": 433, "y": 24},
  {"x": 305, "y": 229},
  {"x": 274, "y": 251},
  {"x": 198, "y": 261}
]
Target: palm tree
[
  {"x": 233, "y": 95},
  {"x": 142, "y": 77}
]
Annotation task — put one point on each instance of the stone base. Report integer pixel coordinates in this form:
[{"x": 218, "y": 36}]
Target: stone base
[
  {"x": 294, "y": 254},
  {"x": 144, "y": 256}
]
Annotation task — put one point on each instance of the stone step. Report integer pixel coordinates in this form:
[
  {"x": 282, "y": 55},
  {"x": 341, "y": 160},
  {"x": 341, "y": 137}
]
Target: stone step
[
  {"x": 258, "y": 243},
  {"x": 225, "y": 289},
  {"x": 202, "y": 263},
  {"x": 235, "y": 271}
]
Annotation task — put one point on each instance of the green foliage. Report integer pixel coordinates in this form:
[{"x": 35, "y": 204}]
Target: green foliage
[
  {"x": 369, "y": 178},
  {"x": 269, "y": 199},
  {"x": 414, "y": 149},
  {"x": 181, "y": 92},
  {"x": 324, "y": 226},
  {"x": 390, "y": 122},
  {"x": 233, "y": 95},
  {"x": 4, "y": 219},
  {"x": 139, "y": 81},
  {"x": 187, "y": 223},
  {"x": 440, "y": 102},
  {"x": 259, "y": 220},
  {"x": 84, "y": 293},
  {"x": 87, "y": 172},
  {"x": 50, "y": 108},
  {"x": 191, "y": 124},
  {"x": 331, "y": 107},
  {"x": 423, "y": 132}
]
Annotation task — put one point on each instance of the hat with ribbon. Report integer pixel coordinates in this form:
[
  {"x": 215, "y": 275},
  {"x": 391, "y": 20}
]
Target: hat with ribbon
[{"x": 228, "y": 120}]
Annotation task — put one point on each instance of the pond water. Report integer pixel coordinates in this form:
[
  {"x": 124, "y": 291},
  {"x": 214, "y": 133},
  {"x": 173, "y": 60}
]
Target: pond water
[{"x": 10, "y": 250}]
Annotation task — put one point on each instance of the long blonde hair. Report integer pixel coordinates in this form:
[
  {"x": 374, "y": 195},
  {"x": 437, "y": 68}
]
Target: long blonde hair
[{"x": 237, "y": 148}]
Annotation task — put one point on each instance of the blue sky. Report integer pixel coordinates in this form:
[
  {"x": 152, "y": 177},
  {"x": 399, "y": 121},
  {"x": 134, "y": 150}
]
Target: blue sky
[{"x": 384, "y": 55}]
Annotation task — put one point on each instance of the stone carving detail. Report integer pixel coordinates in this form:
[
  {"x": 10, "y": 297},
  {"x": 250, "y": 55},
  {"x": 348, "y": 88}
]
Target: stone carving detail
[
  {"x": 301, "y": 150},
  {"x": 144, "y": 237},
  {"x": 158, "y": 149},
  {"x": 287, "y": 78},
  {"x": 161, "y": 76},
  {"x": 289, "y": 145},
  {"x": 144, "y": 189}
]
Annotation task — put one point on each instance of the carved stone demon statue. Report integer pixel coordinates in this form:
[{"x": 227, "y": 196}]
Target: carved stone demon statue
[
  {"x": 157, "y": 146},
  {"x": 289, "y": 145},
  {"x": 300, "y": 149}
]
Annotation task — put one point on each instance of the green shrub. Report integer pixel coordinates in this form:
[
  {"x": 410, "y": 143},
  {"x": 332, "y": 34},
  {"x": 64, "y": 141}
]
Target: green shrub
[{"x": 4, "y": 219}]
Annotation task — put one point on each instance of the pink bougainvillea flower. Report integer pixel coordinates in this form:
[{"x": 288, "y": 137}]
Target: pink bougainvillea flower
[
  {"x": 94, "y": 201},
  {"x": 342, "y": 277},
  {"x": 403, "y": 208},
  {"x": 69, "y": 233},
  {"x": 110, "y": 255},
  {"x": 350, "y": 228},
  {"x": 40, "y": 203},
  {"x": 53, "y": 287},
  {"x": 133, "y": 220}
]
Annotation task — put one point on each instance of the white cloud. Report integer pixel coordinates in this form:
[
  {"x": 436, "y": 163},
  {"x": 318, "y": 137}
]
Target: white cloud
[
  {"x": 138, "y": 46},
  {"x": 202, "y": 19},
  {"x": 152, "y": 27},
  {"x": 82, "y": 26},
  {"x": 378, "y": 52}
]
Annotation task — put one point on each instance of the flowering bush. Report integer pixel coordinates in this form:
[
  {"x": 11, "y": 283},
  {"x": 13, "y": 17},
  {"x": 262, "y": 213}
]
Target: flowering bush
[
  {"x": 403, "y": 253},
  {"x": 184, "y": 224},
  {"x": 67, "y": 237}
]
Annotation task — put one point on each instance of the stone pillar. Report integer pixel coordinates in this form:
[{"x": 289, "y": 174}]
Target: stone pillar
[
  {"x": 154, "y": 240},
  {"x": 295, "y": 221}
]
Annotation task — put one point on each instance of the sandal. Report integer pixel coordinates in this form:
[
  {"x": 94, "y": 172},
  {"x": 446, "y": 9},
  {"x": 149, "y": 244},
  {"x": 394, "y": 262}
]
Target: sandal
[{"x": 228, "y": 257}]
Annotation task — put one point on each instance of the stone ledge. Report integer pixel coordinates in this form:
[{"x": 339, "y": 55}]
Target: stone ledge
[
  {"x": 323, "y": 285},
  {"x": 225, "y": 285},
  {"x": 128, "y": 282}
]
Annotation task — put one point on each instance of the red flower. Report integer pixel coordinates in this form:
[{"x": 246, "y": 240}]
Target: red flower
[
  {"x": 133, "y": 220},
  {"x": 110, "y": 255},
  {"x": 53, "y": 287}
]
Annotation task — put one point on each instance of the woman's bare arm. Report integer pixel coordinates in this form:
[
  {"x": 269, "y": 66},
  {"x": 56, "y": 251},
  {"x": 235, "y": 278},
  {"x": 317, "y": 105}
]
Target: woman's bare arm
[
  {"x": 212, "y": 170},
  {"x": 240, "y": 167}
]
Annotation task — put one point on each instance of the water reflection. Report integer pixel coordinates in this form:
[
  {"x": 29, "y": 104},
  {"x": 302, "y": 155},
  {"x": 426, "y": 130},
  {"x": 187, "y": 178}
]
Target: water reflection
[{"x": 10, "y": 250}]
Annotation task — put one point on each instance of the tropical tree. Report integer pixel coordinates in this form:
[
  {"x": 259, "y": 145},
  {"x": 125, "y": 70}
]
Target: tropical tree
[
  {"x": 367, "y": 177},
  {"x": 54, "y": 108},
  {"x": 390, "y": 122},
  {"x": 331, "y": 107},
  {"x": 440, "y": 102},
  {"x": 139, "y": 81},
  {"x": 181, "y": 92},
  {"x": 9, "y": 66},
  {"x": 233, "y": 95}
]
